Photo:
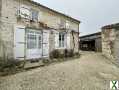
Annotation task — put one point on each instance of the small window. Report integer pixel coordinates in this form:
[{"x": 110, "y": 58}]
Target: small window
[
  {"x": 34, "y": 15},
  {"x": 61, "y": 40},
  {"x": 31, "y": 41},
  {"x": 62, "y": 23}
]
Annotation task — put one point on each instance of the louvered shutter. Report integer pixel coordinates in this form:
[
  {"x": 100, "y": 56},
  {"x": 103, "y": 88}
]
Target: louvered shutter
[
  {"x": 19, "y": 43},
  {"x": 56, "y": 40},
  {"x": 68, "y": 40},
  {"x": 39, "y": 16},
  {"x": 45, "y": 43}
]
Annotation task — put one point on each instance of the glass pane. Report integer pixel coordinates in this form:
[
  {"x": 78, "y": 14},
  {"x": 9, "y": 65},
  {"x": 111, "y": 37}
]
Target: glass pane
[
  {"x": 34, "y": 15},
  {"x": 31, "y": 41},
  {"x": 61, "y": 39}
]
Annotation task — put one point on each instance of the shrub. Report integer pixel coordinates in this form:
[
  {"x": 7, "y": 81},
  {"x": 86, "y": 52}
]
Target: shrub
[
  {"x": 10, "y": 64},
  {"x": 77, "y": 54},
  {"x": 55, "y": 54},
  {"x": 69, "y": 53}
]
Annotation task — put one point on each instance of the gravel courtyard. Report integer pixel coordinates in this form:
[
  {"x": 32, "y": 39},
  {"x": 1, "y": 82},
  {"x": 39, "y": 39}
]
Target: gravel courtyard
[{"x": 91, "y": 71}]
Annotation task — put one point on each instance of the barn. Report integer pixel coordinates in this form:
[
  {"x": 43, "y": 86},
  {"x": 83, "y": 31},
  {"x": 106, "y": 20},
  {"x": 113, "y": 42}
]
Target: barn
[{"x": 91, "y": 42}]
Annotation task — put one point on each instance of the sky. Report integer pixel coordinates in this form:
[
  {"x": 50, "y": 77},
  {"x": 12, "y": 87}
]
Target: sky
[{"x": 93, "y": 14}]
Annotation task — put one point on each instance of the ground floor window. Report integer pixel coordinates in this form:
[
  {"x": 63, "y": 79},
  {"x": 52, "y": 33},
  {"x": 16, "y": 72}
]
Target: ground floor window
[
  {"x": 62, "y": 37},
  {"x": 34, "y": 40},
  {"x": 31, "y": 41}
]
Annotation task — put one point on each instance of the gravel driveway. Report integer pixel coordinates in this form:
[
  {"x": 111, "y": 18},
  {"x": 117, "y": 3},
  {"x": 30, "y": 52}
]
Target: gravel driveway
[{"x": 91, "y": 71}]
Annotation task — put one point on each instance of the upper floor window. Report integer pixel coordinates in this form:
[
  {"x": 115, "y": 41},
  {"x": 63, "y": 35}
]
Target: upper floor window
[
  {"x": 35, "y": 15},
  {"x": 62, "y": 23},
  {"x": 67, "y": 24}
]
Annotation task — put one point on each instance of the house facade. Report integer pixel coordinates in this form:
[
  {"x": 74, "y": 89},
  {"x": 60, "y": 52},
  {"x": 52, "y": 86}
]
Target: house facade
[{"x": 29, "y": 30}]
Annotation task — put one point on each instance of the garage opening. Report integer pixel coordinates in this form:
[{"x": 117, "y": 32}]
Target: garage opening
[
  {"x": 88, "y": 45},
  {"x": 91, "y": 42}
]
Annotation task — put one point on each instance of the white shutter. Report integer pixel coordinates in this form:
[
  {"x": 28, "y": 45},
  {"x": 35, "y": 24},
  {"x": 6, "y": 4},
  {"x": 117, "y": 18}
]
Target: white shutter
[
  {"x": 45, "y": 43},
  {"x": 19, "y": 43},
  {"x": 68, "y": 40},
  {"x": 56, "y": 40},
  {"x": 39, "y": 16}
]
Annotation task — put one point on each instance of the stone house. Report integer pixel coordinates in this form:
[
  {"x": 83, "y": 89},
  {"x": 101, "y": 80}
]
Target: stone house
[
  {"x": 29, "y": 30},
  {"x": 110, "y": 41}
]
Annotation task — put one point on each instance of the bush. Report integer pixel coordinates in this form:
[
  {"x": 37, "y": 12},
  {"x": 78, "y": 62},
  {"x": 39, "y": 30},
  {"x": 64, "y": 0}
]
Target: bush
[
  {"x": 10, "y": 65},
  {"x": 77, "y": 54},
  {"x": 69, "y": 53},
  {"x": 55, "y": 54}
]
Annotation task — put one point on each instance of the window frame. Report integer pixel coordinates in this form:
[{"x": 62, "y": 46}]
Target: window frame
[
  {"x": 62, "y": 40},
  {"x": 34, "y": 15}
]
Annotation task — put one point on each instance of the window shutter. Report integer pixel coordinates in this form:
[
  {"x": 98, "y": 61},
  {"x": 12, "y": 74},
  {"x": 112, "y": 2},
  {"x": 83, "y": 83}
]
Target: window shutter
[
  {"x": 39, "y": 15},
  {"x": 45, "y": 43},
  {"x": 56, "y": 40},
  {"x": 68, "y": 40},
  {"x": 19, "y": 43}
]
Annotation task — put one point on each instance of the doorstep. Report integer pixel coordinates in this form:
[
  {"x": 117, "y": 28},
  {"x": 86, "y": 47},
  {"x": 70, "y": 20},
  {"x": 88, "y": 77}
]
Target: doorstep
[{"x": 31, "y": 65}]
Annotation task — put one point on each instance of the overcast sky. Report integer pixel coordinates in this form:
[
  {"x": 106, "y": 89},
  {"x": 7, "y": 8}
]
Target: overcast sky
[{"x": 93, "y": 14}]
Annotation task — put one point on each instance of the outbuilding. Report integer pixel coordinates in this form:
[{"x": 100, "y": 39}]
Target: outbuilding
[
  {"x": 91, "y": 42},
  {"x": 110, "y": 41}
]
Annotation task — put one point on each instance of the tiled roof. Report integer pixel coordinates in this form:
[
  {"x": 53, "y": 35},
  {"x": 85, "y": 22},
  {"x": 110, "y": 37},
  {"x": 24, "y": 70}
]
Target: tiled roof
[{"x": 36, "y": 3}]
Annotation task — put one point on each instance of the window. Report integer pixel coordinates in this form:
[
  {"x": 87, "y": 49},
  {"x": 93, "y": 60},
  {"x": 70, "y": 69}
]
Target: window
[
  {"x": 62, "y": 23},
  {"x": 61, "y": 39},
  {"x": 31, "y": 41},
  {"x": 34, "y": 15}
]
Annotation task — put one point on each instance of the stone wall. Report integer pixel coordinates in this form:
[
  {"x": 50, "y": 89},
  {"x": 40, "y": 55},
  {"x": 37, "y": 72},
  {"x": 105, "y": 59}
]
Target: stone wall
[
  {"x": 110, "y": 43},
  {"x": 98, "y": 44},
  {"x": 74, "y": 41}
]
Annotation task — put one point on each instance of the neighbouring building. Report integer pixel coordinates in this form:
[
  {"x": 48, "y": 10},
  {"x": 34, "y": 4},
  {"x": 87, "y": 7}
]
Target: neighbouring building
[
  {"x": 91, "y": 42},
  {"x": 29, "y": 30},
  {"x": 110, "y": 41}
]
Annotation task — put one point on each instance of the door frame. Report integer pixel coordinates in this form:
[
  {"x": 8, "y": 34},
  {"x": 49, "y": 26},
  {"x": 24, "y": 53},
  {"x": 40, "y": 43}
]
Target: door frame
[{"x": 36, "y": 49}]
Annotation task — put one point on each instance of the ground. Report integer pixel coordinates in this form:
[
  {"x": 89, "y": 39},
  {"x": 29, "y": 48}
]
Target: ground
[{"x": 91, "y": 71}]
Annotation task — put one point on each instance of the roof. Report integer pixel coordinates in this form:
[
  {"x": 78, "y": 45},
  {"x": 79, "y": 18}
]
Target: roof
[
  {"x": 89, "y": 35},
  {"x": 36, "y": 3},
  {"x": 111, "y": 26}
]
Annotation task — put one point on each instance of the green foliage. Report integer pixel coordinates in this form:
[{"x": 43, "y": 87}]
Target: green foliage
[
  {"x": 10, "y": 66},
  {"x": 68, "y": 53},
  {"x": 57, "y": 53}
]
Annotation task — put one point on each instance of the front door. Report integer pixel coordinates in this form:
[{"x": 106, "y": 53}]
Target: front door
[{"x": 34, "y": 44}]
